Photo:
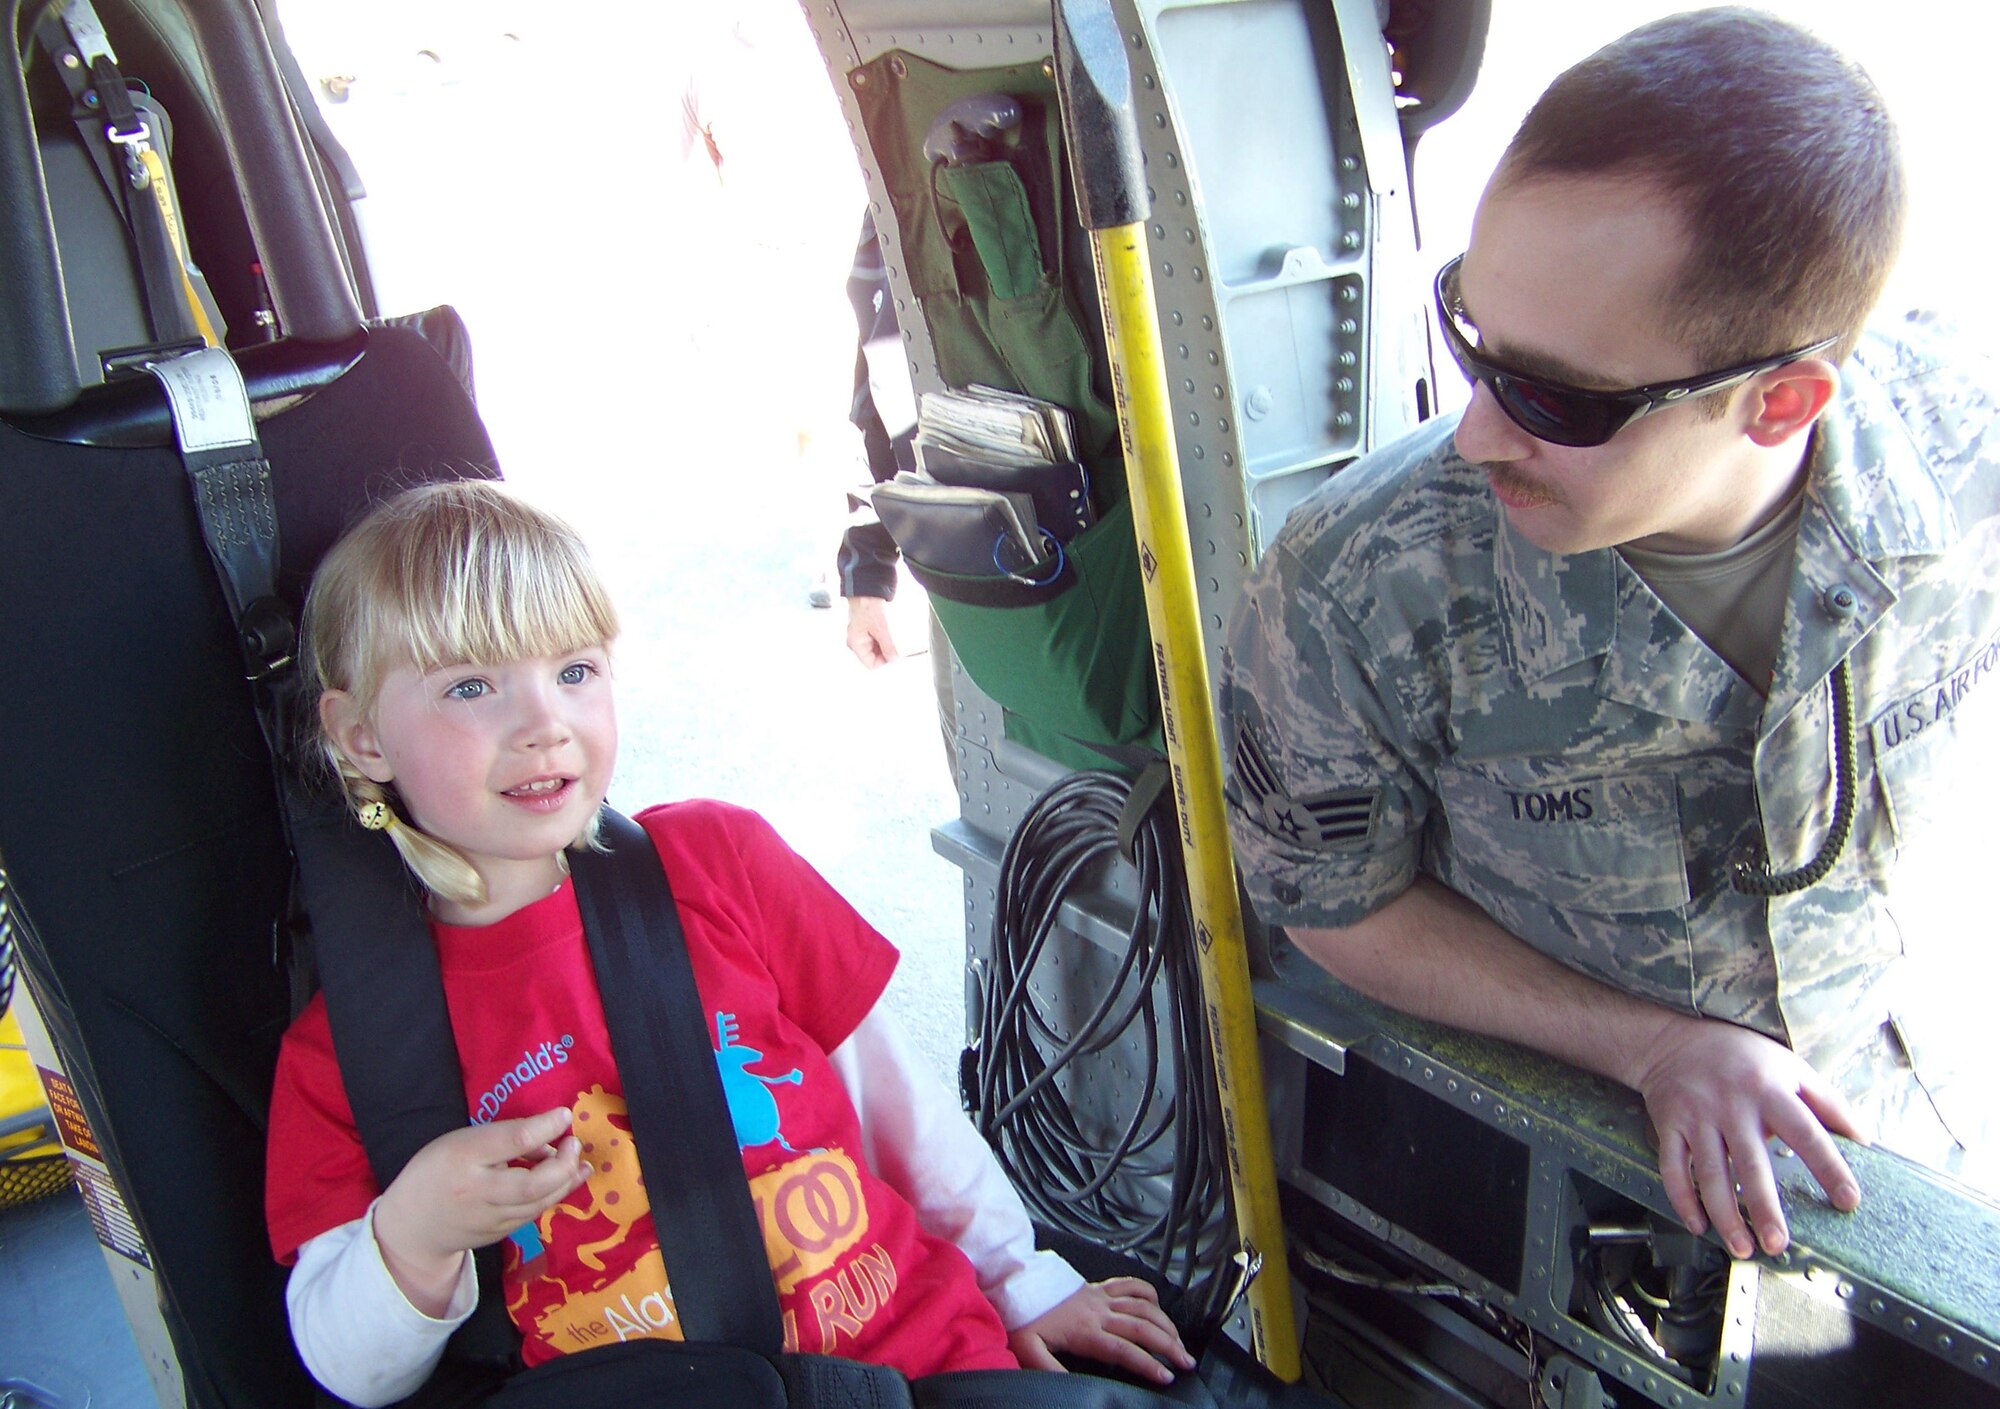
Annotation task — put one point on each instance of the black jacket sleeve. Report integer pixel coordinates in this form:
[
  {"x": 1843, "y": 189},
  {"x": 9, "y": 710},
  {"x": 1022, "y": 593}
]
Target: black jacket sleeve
[{"x": 868, "y": 557}]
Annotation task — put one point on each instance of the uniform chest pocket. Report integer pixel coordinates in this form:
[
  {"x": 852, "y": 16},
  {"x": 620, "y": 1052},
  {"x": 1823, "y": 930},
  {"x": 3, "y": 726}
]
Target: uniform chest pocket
[{"x": 1610, "y": 845}]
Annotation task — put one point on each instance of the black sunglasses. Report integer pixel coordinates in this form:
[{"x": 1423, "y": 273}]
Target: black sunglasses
[{"x": 1567, "y": 415}]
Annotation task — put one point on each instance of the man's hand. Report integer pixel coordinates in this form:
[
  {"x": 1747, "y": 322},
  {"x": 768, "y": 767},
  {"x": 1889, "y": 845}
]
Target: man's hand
[
  {"x": 868, "y": 631},
  {"x": 1717, "y": 1093},
  {"x": 469, "y": 1188},
  {"x": 1117, "y": 1322}
]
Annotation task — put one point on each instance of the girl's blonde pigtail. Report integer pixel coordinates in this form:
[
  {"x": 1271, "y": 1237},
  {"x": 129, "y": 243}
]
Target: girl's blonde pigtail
[{"x": 438, "y": 866}]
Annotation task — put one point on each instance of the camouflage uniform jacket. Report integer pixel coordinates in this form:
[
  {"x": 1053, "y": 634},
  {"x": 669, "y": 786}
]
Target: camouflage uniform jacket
[{"x": 1410, "y": 686}]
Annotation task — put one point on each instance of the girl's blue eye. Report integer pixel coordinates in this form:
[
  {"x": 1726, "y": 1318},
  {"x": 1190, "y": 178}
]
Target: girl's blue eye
[
  {"x": 466, "y": 690},
  {"x": 578, "y": 673}
]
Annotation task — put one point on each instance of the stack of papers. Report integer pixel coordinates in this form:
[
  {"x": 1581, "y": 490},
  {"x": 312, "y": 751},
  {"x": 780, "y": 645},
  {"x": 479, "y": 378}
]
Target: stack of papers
[{"x": 1004, "y": 427}]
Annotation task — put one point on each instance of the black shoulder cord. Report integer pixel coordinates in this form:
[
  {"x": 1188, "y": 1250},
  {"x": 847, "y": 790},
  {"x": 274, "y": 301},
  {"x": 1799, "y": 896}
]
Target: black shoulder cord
[{"x": 1758, "y": 878}]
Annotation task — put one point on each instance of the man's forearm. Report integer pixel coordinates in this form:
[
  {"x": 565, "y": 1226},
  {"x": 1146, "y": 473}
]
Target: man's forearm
[{"x": 1434, "y": 953}]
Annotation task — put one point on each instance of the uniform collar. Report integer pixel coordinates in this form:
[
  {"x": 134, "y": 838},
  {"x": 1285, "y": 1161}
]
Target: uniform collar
[
  {"x": 1871, "y": 497},
  {"x": 1563, "y": 609},
  {"x": 1558, "y": 608},
  {"x": 1871, "y": 476}
]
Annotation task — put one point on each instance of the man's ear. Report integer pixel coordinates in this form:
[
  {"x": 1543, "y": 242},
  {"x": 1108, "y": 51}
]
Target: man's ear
[
  {"x": 349, "y": 729},
  {"x": 1789, "y": 399}
]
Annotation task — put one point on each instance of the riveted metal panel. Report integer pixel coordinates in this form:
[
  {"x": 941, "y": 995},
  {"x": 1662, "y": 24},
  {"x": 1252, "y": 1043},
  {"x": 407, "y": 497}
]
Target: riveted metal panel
[
  {"x": 1583, "y": 1130},
  {"x": 1282, "y": 242},
  {"x": 1293, "y": 338}
]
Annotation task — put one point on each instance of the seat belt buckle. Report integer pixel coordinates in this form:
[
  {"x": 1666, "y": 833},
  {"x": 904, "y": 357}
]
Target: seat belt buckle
[
  {"x": 135, "y": 145},
  {"x": 134, "y": 132},
  {"x": 124, "y": 126}
]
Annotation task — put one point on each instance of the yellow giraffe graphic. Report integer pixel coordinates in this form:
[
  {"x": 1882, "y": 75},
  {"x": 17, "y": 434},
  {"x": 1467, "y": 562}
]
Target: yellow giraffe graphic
[{"x": 617, "y": 1192}]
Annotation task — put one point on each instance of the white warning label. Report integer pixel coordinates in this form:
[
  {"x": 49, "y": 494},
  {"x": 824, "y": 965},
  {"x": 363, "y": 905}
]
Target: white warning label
[{"x": 211, "y": 408}]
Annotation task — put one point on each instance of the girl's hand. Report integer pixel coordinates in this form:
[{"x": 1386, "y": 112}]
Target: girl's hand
[
  {"x": 467, "y": 1189},
  {"x": 1118, "y": 1322}
]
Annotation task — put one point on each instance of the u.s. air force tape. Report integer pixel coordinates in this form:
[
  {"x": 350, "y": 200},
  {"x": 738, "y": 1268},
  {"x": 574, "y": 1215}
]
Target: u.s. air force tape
[{"x": 1326, "y": 821}]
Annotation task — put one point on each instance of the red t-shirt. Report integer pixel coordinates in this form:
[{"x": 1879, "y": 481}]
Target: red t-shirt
[{"x": 786, "y": 970}]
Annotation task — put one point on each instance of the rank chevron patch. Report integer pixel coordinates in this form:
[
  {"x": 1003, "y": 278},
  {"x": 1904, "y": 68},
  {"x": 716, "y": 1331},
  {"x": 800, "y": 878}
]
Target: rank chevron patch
[{"x": 1343, "y": 817}]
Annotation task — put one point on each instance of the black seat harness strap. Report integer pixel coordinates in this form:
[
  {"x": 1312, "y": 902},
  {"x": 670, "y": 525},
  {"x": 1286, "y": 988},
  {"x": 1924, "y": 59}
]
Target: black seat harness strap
[
  {"x": 231, "y": 481},
  {"x": 707, "y": 1226},
  {"x": 383, "y": 985},
  {"x": 378, "y": 970}
]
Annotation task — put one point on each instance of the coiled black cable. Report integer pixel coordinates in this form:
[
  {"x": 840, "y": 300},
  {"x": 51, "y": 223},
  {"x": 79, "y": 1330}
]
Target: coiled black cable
[{"x": 1104, "y": 1189}]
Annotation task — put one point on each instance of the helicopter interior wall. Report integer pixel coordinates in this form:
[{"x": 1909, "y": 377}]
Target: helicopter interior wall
[
  {"x": 1810, "y": 1353},
  {"x": 1418, "y": 1180}
]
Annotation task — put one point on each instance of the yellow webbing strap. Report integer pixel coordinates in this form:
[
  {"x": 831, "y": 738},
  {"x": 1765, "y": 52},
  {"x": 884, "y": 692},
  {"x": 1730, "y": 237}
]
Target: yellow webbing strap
[{"x": 161, "y": 185}]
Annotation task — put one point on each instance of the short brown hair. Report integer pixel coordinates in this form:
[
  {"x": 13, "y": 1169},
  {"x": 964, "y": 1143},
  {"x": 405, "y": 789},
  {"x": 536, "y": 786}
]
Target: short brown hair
[{"x": 1778, "y": 152}]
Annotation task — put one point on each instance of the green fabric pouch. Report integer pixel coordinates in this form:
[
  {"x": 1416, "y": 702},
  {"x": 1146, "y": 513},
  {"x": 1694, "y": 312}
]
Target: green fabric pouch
[
  {"x": 1068, "y": 656},
  {"x": 988, "y": 199},
  {"x": 1058, "y": 655}
]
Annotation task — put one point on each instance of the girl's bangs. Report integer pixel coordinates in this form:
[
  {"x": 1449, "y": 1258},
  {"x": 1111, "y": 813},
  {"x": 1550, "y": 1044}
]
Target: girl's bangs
[{"x": 498, "y": 599}]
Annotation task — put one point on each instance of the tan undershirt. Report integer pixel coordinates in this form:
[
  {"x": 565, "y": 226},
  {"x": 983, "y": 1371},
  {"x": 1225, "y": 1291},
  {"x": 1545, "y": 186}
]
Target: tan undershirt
[{"x": 1733, "y": 600}]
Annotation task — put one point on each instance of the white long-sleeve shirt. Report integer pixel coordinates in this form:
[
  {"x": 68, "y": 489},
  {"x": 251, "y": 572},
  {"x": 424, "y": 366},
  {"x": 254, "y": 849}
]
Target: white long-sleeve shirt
[{"x": 363, "y": 1340}]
